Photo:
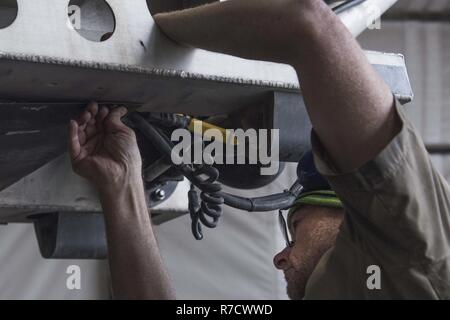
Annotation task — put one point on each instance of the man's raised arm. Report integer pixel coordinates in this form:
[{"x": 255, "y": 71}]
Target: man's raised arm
[
  {"x": 104, "y": 151},
  {"x": 350, "y": 106}
]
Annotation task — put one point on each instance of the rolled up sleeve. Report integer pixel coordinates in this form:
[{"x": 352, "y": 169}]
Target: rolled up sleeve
[{"x": 397, "y": 205}]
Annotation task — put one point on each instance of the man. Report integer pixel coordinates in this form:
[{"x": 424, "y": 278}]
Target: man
[{"x": 393, "y": 240}]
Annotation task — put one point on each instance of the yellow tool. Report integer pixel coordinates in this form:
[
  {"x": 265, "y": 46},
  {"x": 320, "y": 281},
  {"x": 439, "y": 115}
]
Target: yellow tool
[{"x": 196, "y": 125}]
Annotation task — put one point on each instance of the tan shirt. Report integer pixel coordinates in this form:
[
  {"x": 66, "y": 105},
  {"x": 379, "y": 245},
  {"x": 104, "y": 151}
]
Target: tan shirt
[{"x": 397, "y": 218}]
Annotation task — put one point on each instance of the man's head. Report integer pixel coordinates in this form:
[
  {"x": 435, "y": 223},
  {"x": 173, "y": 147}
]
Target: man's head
[
  {"x": 313, "y": 224},
  {"x": 313, "y": 231}
]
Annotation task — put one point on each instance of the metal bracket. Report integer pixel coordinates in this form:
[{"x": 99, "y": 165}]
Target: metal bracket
[{"x": 65, "y": 235}]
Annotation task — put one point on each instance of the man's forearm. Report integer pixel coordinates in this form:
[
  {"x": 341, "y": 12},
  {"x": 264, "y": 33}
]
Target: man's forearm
[
  {"x": 350, "y": 106},
  {"x": 136, "y": 266}
]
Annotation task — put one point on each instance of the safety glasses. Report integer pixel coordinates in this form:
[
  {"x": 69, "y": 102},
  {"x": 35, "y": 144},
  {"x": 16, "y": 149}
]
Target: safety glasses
[{"x": 285, "y": 230}]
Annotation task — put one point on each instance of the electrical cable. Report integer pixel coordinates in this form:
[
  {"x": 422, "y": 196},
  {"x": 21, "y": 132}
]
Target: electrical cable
[{"x": 209, "y": 209}]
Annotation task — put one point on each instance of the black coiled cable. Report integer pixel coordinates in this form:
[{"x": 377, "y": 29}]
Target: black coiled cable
[{"x": 209, "y": 210}]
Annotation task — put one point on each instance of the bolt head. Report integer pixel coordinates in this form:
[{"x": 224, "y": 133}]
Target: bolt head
[{"x": 158, "y": 194}]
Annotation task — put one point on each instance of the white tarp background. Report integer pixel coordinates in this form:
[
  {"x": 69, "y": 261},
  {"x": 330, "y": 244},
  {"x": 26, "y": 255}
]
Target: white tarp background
[
  {"x": 233, "y": 261},
  {"x": 25, "y": 275}
]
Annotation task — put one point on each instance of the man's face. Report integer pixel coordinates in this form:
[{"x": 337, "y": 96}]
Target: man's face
[{"x": 313, "y": 230}]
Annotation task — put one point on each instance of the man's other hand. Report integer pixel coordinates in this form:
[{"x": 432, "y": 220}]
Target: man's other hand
[{"x": 103, "y": 149}]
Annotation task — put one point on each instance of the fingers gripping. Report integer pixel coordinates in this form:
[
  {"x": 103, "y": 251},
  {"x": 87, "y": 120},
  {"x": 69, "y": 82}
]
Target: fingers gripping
[
  {"x": 74, "y": 140},
  {"x": 91, "y": 122},
  {"x": 113, "y": 121}
]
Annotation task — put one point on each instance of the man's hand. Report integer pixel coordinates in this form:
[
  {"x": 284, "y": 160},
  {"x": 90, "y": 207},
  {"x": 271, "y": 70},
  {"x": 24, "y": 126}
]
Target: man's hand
[{"x": 103, "y": 149}]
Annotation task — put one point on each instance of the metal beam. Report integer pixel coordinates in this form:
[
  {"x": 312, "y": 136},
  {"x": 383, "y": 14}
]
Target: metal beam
[
  {"x": 438, "y": 148},
  {"x": 44, "y": 60},
  {"x": 56, "y": 188}
]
